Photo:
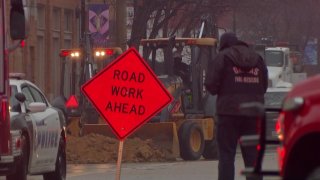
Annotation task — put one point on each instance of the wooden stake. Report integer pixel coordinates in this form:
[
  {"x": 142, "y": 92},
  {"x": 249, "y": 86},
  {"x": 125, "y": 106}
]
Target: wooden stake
[{"x": 118, "y": 172}]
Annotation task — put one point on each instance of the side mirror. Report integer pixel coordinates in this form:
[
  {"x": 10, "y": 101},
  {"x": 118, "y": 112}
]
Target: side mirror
[
  {"x": 20, "y": 97},
  {"x": 37, "y": 107},
  {"x": 17, "y": 20}
]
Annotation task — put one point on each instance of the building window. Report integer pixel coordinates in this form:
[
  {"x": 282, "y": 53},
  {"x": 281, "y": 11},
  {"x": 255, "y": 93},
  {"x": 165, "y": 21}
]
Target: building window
[
  {"x": 56, "y": 66},
  {"x": 41, "y": 61},
  {"x": 41, "y": 16},
  {"x": 68, "y": 15},
  {"x": 56, "y": 14},
  {"x": 68, "y": 70}
]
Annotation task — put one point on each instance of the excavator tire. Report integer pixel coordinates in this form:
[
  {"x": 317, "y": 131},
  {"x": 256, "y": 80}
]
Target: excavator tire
[{"x": 191, "y": 141}]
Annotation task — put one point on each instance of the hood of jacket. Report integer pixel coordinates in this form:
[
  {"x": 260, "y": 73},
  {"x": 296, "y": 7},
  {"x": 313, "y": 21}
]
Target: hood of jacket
[
  {"x": 227, "y": 40},
  {"x": 242, "y": 56}
]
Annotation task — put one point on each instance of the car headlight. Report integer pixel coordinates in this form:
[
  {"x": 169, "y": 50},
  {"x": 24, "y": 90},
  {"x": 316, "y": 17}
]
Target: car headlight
[
  {"x": 293, "y": 104},
  {"x": 289, "y": 105}
]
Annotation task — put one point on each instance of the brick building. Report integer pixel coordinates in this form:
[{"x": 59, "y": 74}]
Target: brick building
[{"x": 54, "y": 25}]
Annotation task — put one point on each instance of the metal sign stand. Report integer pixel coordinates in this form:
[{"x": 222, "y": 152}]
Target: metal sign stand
[{"x": 120, "y": 150}]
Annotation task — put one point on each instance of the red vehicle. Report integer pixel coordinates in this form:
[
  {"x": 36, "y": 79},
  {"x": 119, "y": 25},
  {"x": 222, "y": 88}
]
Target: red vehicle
[
  {"x": 9, "y": 139},
  {"x": 298, "y": 128},
  {"x": 299, "y": 132}
]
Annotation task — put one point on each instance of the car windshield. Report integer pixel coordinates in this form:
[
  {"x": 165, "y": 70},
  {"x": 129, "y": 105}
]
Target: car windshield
[
  {"x": 274, "y": 99},
  {"x": 274, "y": 58}
]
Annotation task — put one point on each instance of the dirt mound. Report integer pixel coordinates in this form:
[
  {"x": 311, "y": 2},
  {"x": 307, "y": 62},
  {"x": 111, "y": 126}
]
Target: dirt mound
[{"x": 95, "y": 148}]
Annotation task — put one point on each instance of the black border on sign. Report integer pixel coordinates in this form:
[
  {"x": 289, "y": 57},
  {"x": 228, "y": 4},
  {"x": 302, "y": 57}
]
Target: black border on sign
[{"x": 153, "y": 75}]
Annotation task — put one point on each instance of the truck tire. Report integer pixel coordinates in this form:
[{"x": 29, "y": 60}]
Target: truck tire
[
  {"x": 191, "y": 141},
  {"x": 22, "y": 167},
  {"x": 210, "y": 150},
  {"x": 60, "y": 172},
  {"x": 315, "y": 175}
]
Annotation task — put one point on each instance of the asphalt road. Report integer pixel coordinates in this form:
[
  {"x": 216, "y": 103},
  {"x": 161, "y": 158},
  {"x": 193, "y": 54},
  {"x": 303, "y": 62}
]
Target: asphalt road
[{"x": 187, "y": 170}]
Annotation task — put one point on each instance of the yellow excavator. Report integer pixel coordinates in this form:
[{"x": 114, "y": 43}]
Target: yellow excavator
[{"x": 186, "y": 127}]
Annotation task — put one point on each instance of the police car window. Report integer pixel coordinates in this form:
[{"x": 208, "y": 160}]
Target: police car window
[
  {"x": 14, "y": 103},
  {"x": 29, "y": 99},
  {"x": 38, "y": 97}
]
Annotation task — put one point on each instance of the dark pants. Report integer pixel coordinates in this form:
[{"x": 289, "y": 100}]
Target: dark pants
[{"x": 229, "y": 130}]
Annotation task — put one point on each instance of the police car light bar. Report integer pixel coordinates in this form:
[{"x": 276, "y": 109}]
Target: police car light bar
[{"x": 17, "y": 75}]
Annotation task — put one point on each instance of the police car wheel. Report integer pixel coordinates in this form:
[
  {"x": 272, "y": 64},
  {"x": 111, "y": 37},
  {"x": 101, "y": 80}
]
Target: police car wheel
[
  {"x": 22, "y": 167},
  {"x": 60, "y": 172}
]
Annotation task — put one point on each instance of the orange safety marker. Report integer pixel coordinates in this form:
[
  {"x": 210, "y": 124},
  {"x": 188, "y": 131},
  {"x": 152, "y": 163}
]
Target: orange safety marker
[{"x": 72, "y": 102}]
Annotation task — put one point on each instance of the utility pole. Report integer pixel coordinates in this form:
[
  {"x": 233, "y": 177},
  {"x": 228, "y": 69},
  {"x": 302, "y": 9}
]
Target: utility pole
[
  {"x": 88, "y": 113},
  {"x": 121, "y": 19},
  {"x": 82, "y": 47},
  {"x": 234, "y": 20},
  {"x": 82, "y": 39},
  {"x": 234, "y": 15},
  {"x": 62, "y": 75}
]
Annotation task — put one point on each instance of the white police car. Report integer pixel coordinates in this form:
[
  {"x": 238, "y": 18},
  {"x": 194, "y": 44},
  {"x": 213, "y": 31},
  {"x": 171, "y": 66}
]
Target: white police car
[{"x": 42, "y": 128}]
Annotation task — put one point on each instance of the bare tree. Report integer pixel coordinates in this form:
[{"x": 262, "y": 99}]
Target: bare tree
[
  {"x": 293, "y": 21},
  {"x": 167, "y": 17}
]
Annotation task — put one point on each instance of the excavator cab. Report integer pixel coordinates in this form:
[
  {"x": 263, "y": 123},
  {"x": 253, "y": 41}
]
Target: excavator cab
[{"x": 183, "y": 62}]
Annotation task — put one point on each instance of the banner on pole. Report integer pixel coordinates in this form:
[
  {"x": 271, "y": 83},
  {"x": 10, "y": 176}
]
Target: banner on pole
[{"x": 99, "y": 24}]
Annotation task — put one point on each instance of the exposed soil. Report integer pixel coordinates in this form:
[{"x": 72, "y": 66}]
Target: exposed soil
[{"x": 95, "y": 148}]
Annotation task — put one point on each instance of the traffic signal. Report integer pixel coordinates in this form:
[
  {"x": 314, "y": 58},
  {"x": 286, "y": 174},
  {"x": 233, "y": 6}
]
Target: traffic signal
[{"x": 17, "y": 20}]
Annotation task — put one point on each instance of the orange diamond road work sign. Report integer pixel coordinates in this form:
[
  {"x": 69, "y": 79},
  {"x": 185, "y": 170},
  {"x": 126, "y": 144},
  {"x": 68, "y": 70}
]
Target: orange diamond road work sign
[{"x": 127, "y": 93}]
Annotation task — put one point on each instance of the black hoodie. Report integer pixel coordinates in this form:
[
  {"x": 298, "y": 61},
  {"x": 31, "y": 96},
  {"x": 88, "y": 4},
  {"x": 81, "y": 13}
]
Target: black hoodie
[{"x": 237, "y": 75}]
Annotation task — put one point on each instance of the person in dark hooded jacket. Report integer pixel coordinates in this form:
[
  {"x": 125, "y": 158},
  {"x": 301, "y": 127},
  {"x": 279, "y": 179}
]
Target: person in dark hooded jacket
[{"x": 237, "y": 75}]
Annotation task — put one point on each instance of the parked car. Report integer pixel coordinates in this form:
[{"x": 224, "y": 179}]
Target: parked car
[
  {"x": 42, "y": 138},
  {"x": 273, "y": 99}
]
